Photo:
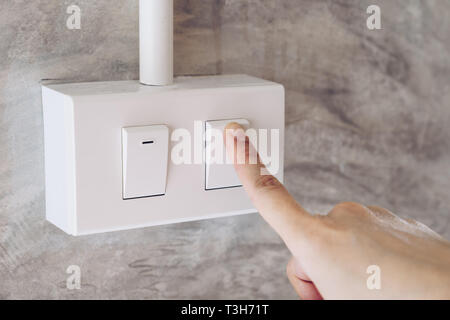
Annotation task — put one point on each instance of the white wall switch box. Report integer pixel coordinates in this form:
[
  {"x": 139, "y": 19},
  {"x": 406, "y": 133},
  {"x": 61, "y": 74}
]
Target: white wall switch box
[
  {"x": 90, "y": 188},
  {"x": 144, "y": 161},
  {"x": 218, "y": 173}
]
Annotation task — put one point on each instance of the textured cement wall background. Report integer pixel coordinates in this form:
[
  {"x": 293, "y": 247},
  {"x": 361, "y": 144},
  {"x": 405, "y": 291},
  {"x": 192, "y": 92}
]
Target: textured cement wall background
[{"x": 368, "y": 119}]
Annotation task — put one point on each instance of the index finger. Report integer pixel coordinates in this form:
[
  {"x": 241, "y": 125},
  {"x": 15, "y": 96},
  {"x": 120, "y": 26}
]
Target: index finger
[{"x": 268, "y": 195}]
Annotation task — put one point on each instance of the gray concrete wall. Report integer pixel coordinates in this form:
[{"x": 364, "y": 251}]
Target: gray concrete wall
[{"x": 368, "y": 116}]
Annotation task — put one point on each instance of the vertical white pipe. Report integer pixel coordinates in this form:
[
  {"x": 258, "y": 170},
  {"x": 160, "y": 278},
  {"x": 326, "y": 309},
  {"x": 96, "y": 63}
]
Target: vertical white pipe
[{"x": 156, "y": 42}]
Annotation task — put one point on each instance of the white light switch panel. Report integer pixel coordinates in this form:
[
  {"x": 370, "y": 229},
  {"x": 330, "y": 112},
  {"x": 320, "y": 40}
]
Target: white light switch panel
[
  {"x": 144, "y": 161},
  {"x": 218, "y": 173},
  {"x": 100, "y": 177}
]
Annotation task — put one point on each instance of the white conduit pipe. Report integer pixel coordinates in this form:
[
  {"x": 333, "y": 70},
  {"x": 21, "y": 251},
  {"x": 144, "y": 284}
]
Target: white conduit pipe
[{"x": 156, "y": 42}]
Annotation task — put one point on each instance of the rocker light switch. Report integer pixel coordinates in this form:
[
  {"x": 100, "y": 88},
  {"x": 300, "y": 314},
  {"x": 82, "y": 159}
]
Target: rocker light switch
[
  {"x": 219, "y": 174},
  {"x": 144, "y": 161}
]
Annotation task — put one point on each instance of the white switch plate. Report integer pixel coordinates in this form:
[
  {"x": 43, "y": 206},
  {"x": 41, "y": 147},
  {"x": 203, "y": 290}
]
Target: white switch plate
[
  {"x": 144, "y": 161},
  {"x": 83, "y": 150}
]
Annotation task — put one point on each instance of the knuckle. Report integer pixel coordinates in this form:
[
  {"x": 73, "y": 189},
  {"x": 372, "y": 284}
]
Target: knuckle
[
  {"x": 333, "y": 232},
  {"x": 326, "y": 231},
  {"x": 334, "y": 237}
]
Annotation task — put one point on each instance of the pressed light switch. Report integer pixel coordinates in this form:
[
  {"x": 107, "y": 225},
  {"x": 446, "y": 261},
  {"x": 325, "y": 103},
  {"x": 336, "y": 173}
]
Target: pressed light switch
[
  {"x": 218, "y": 173},
  {"x": 144, "y": 161}
]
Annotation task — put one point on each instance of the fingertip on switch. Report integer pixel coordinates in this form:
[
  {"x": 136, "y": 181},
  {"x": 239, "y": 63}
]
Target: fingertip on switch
[{"x": 220, "y": 175}]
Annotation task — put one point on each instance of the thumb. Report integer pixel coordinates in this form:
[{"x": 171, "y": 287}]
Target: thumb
[{"x": 301, "y": 283}]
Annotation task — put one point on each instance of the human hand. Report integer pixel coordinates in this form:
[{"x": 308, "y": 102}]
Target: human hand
[{"x": 331, "y": 253}]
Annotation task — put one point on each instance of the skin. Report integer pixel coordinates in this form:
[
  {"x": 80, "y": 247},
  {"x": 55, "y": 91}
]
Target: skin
[{"x": 331, "y": 253}]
